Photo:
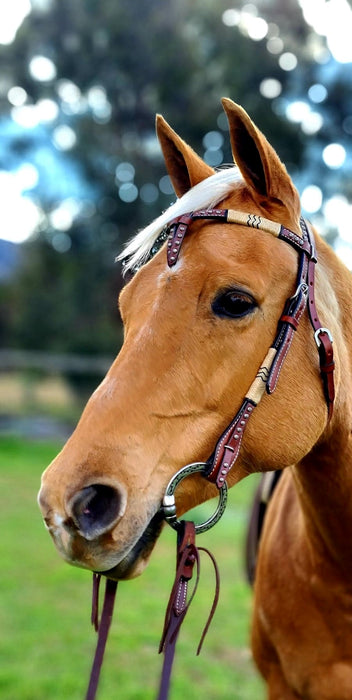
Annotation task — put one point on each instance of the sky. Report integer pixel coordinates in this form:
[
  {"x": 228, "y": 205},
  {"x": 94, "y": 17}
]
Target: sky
[
  {"x": 332, "y": 19},
  {"x": 19, "y": 212}
]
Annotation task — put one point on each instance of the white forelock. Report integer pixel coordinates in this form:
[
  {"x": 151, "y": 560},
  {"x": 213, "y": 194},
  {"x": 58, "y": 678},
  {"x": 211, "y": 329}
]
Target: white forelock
[{"x": 208, "y": 193}]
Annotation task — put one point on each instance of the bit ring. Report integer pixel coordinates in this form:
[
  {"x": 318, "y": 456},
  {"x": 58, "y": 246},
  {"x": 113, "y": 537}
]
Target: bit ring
[{"x": 169, "y": 506}]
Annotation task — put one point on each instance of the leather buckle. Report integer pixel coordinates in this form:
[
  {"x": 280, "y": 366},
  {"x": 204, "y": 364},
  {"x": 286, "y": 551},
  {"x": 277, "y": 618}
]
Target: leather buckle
[
  {"x": 318, "y": 332},
  {"x": 302, "y": 288}
]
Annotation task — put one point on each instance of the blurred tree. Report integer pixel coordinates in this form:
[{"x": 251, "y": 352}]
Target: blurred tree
[{"x": 94, "y": 73}]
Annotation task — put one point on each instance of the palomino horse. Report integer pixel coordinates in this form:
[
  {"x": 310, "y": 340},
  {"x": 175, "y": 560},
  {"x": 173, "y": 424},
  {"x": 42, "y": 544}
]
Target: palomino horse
[{"x": 200, "y": 314}]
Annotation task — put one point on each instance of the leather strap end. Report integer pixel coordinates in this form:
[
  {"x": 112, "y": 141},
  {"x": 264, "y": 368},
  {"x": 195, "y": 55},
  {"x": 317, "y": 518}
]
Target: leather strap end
[
  {"x": 291, "y": 320},
  {"x": 178, "y": 229}
]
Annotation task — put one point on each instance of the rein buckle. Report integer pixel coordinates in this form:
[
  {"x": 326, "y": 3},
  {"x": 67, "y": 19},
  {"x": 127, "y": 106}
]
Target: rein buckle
[{"x": 317, "y": 334}]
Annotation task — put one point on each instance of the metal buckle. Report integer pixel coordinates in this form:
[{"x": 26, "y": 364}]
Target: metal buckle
[
  {"x": 322, "y": 330},
  {"x": 169, "y": 506},
  {"x": 302, "y": 287}
]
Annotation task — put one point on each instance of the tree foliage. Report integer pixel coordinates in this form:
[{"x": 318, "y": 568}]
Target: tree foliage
[{"x": 117, "y": 63}]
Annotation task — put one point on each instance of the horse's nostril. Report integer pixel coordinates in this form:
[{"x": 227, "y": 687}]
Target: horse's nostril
[{"x": 95, "y": 509}]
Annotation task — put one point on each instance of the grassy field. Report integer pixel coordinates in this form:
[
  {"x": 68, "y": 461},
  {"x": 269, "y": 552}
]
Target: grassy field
[{"x": 47, "y": 643}]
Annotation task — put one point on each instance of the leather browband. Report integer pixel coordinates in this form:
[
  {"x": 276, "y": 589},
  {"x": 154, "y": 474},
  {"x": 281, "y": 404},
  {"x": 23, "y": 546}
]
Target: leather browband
[
  {"x": 178, "y": 228},
  {"x": 228, "y": 447}
]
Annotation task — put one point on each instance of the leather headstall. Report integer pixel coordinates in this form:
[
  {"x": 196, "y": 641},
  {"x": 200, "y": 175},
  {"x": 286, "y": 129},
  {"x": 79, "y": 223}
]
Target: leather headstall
[
  {"x": 228, "y": 446},
  {"x": 227, "y": 449}
]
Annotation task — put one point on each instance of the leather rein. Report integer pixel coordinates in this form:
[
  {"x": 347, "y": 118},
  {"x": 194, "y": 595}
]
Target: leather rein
[{"x": 228, "y": 446}]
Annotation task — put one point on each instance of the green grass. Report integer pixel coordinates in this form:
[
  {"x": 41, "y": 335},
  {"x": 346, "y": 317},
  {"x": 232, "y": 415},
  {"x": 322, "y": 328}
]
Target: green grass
[{"x": 46, "y": 642}]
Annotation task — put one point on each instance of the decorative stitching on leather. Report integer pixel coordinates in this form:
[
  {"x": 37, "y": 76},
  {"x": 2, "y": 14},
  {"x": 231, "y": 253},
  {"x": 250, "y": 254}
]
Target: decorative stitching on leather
[
  {"x": 181, "y": 597},
  {"x": 220, "y": 447},
  {"x": 233, "y": 434},
  {"x": 280, "y": 358}
]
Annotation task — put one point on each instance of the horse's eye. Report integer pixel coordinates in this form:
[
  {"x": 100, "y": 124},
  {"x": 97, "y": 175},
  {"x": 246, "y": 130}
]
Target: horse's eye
[{"x": 234, "y": 304}]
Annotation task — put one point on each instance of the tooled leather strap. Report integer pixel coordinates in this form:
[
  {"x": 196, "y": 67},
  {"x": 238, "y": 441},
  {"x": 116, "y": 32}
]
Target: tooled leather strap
[
  {"x": 178, "y": 228},
  {"x": 327, "y": 366},
  {"x": 178, "y": 605},
  {"x": 289, "y": 320},
  {"x": 322, "y": 336},
  {"x": 187, "y": 558},
  {"x": 228, "y": 447},
  {"x": 179, "y": 602}
]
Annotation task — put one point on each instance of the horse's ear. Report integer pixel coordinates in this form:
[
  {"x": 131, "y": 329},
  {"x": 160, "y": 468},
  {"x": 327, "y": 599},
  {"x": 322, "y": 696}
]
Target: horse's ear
[
  {"x": 258, "y": 162},
  {"x": 184, "y": 166}
]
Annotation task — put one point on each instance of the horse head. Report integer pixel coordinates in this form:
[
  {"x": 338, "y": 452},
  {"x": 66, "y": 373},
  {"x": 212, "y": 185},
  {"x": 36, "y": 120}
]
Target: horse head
[{"x": 195, "y": 334}]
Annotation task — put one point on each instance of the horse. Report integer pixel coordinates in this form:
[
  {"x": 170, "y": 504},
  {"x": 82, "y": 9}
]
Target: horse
[{"x": 229, "y": 282}]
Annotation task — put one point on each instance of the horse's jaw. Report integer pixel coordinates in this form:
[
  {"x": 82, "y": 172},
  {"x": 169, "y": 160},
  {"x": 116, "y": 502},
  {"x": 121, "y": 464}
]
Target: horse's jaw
[{"x": 136, "y": 560}]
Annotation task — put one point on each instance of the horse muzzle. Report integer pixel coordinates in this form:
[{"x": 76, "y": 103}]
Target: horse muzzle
[{"x": 92, "y": 529}]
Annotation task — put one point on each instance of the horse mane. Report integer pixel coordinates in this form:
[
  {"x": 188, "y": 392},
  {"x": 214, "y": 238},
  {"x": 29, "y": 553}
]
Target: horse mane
[{"x": 205, "y": 194}]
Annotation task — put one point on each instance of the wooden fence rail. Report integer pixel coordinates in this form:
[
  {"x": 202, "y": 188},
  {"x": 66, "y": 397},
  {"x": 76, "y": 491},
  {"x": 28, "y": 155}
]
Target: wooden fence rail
[{"x": 53, "y": 363}]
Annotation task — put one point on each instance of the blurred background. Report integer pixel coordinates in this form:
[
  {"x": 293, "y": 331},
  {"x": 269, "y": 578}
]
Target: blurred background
[{"x": 80, "y": 172}]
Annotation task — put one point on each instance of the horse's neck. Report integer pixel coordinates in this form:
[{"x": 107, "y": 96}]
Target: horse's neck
[
  {"x": 324, "y": 485},
  {"x": 324, "y": 477}
]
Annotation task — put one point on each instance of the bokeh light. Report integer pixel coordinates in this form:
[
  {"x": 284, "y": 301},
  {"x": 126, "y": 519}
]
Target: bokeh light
[
  {"x": 334, "y": 155},
  {"x": 64, "y": 137},
  {"x": 270, "y": 88},
  {"x": 312, "y": 199},
  {"x": 42, "y": 69}
]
